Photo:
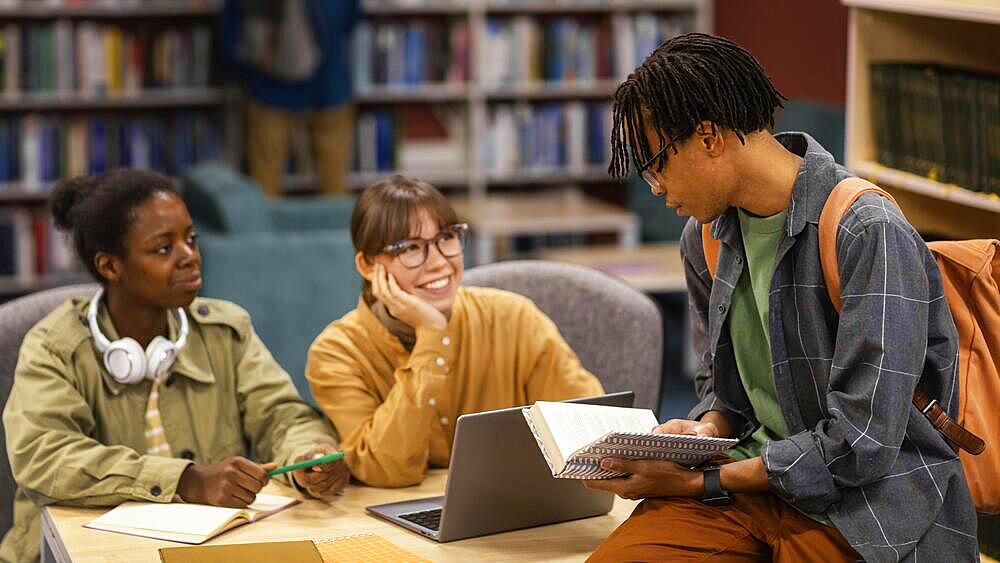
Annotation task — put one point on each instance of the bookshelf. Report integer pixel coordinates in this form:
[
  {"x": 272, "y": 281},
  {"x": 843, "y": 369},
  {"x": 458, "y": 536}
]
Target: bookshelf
[
  {"x": 87, "y": 85},
  {"x": 43, "y": 9},
  {"x": 478, "y": 92},
  {"x": 530, "y": 108},
  {"x": 953, "y": 33}
]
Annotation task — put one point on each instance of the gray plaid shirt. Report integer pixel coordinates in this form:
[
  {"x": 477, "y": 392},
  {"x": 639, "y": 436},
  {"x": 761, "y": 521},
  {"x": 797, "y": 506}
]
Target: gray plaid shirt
[{"x": 858, "y": 449}]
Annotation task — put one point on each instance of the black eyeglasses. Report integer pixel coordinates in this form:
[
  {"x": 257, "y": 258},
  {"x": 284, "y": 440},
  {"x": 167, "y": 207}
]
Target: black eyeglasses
[
  {"x": 648, "y": 175},
  {"x": 412, "y": 252}
]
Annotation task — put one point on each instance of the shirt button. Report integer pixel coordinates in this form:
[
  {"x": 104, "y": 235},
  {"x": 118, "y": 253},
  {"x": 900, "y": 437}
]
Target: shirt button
[
  {"x": 446, "y": 340},
  {"x": 739, "y": 259},
  {"x": 722, "y": 308},
  {"x": 444, "y": 420},
  {"x": 203, "y": 310},
  {"x": 439, "y": 361},
  {"x": 155, "y": 491},
  {"x": 432, "y": 402},
  {"x": 187, "y": 454}
]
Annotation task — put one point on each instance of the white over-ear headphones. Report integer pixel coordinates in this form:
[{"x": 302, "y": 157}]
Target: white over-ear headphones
[{"x": 125, "y": 359}]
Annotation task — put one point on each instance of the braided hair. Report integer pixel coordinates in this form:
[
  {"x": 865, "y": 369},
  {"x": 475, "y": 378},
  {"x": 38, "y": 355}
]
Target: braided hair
[{"x": 691, "y": 78}]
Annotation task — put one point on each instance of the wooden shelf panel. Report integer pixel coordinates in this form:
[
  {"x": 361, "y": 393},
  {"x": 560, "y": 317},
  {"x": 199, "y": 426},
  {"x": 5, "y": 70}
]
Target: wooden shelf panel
[
  {"x": 889, "y": 177},
  {"x": 593, "y": 6},
  {"x": 97, "y": 9},
  {"x": 986, "y": 11},
  {"x": 588, "y": 175},
  {"x": 876, "y": 34},
  {"x": 411, "y": 7},
  {"x": 553, "y": 90},
  {"x": 360, "y": 180},
  {"x": 141, "y": 99},
  {"x": 413, "y": 94},
  {"x": 14, "y": 194}
]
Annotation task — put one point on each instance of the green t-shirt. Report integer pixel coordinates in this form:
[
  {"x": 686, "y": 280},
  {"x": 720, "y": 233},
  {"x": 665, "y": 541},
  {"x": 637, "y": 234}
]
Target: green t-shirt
[{"x": 748, "y": 318}]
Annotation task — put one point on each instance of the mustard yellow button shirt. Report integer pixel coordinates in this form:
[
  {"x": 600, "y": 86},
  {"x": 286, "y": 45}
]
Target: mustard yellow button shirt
[{"x": 395, "y": 410}]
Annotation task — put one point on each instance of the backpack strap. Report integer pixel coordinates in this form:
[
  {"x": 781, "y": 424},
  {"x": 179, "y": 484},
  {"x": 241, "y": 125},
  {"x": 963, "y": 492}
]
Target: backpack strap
[
  {"x": 843, "y": 196},
  {"x": 954, "y": 433},
  {"x": 710, "y": 247},
  {"x": 841, "y": 199}
]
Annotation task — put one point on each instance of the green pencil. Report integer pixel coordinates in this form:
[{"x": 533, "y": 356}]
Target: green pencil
[{"x": 306, "y": 463}]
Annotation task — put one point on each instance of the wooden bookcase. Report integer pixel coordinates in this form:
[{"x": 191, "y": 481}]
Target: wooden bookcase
[
  {"x": 477, "y": 98},
  {"x": 960, "y": 33},
  {"x": 215, "y": 97}
]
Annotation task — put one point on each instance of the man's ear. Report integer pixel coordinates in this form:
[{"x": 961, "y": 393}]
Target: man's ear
[
  {"x": 710, "y": 137},
  {"x": 110, "y": 267},
  {"x": 365, "y": 268}
]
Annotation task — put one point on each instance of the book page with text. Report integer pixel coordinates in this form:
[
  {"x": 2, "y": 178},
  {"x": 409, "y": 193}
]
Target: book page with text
[{"x": 575, "y": 425}]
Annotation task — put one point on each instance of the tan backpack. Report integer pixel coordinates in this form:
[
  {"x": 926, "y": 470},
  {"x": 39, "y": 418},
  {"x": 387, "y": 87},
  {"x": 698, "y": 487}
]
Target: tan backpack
[{"x": 970, "y": 273}]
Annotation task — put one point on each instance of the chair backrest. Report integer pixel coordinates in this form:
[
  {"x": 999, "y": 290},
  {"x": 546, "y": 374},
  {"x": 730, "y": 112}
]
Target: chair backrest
[
  {"x": 16, "y": 319},
  {"x": 615, "y": 330},
  {"x": 221, "y": 199}
]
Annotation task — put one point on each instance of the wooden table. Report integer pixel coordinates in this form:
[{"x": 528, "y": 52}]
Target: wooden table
[
  {"x": 563, "y": 211},
  {"x": 650, "y": 268},
  {"x": 62, "y": 527}
]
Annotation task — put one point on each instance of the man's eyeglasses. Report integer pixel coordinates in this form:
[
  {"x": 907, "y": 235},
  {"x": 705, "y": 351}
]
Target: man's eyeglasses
[
  {"x": 412, "y": 252},
  {"x": 650, "y": 176}
]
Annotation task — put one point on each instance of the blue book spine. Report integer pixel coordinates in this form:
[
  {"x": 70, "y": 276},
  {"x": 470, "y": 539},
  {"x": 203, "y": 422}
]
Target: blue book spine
[
  {"x": 8, "y": 247},
  {"x": 414, "y": 53},
  {"x": 98, "y": 147},
  {"x": 383, "y": 141},
  {"x": 6, "y": 138},
  {"x": 595, "y": 137}
]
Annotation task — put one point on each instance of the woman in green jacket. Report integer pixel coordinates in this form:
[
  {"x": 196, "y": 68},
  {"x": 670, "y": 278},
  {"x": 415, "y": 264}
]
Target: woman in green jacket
[{"x": 145, "y": 392}]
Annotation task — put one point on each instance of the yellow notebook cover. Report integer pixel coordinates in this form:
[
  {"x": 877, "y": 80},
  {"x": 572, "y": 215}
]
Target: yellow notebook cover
[
  {"x": 285, "y": 551},
  {"x": 350, "y": 549},
  {"x": 364, "y": 547}
]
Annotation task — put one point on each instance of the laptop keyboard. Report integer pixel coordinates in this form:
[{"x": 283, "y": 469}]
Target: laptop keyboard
[{"x": 430, "y": 519}]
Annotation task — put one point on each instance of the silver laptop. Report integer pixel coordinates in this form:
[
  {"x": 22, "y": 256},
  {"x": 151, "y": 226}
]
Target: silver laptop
[{"x": 498, "y": 481}]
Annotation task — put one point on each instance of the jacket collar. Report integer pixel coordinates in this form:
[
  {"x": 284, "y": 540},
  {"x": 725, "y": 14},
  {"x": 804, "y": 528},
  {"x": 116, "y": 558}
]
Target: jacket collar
[{"x": 815, "y": 179}]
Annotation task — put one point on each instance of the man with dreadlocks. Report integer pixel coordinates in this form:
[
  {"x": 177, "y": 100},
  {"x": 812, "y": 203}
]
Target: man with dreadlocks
[{"x": 834, "y": 460}]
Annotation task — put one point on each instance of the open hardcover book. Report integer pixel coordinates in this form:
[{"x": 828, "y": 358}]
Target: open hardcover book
[
  {"x": 185, "y": 523},
  {"x": 574, "y": 437}
]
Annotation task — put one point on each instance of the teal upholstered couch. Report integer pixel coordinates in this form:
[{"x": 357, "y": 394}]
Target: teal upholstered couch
[{"x": 289, "y": 262}]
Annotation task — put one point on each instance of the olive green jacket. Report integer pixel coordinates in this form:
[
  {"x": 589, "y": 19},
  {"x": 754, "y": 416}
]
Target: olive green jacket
[{"x": 76, "y": 436}]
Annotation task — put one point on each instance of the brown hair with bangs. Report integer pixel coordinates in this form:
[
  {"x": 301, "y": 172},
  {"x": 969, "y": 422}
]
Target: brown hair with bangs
[{"x": 385, "y": 212}]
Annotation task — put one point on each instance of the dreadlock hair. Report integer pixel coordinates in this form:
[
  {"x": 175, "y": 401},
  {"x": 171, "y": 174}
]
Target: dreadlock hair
[{"x": 691, "y": 78}]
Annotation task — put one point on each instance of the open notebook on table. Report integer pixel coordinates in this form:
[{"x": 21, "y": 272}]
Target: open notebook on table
[
  {"x": 185, "y": 523},
  {"x": 574, "y": 437}
]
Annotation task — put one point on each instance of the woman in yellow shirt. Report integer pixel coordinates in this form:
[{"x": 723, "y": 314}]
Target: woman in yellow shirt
[{"x": 420, "y": 350}]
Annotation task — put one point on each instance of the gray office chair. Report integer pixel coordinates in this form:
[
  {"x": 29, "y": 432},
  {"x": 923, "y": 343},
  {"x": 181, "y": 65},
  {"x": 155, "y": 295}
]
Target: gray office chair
[
  {"x": 16, "y": 319},
  {"x": 614, "y": 329}
]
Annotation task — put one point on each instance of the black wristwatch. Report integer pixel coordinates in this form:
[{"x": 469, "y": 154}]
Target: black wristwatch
[{"x": 714, "y": 494}]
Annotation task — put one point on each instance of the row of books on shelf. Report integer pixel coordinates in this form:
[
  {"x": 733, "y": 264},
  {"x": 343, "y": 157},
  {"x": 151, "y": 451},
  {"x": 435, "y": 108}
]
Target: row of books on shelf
[
  {"x": 525, "y": 49},
  {"x": 101, "y": 3},
  {"x": 408, "y": 54},
  {"x": 542, "y": 137},
  {"x": 96, "y": 59},
  {"x": 938, "y": 122},
  {"x": 31, "y": 247},
  {"x": 519, "y": 138},
  {"x": 36, "y": 150}
]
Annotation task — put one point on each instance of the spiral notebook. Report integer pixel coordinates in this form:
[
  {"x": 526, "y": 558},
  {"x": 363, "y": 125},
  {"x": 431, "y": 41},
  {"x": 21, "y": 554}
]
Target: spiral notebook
[{"x": 574, "y": 437}]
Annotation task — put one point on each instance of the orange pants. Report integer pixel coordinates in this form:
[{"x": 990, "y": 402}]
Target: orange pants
[
  {"x": 331, "y": 135},
  {"x": 752, "y": 528}
]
